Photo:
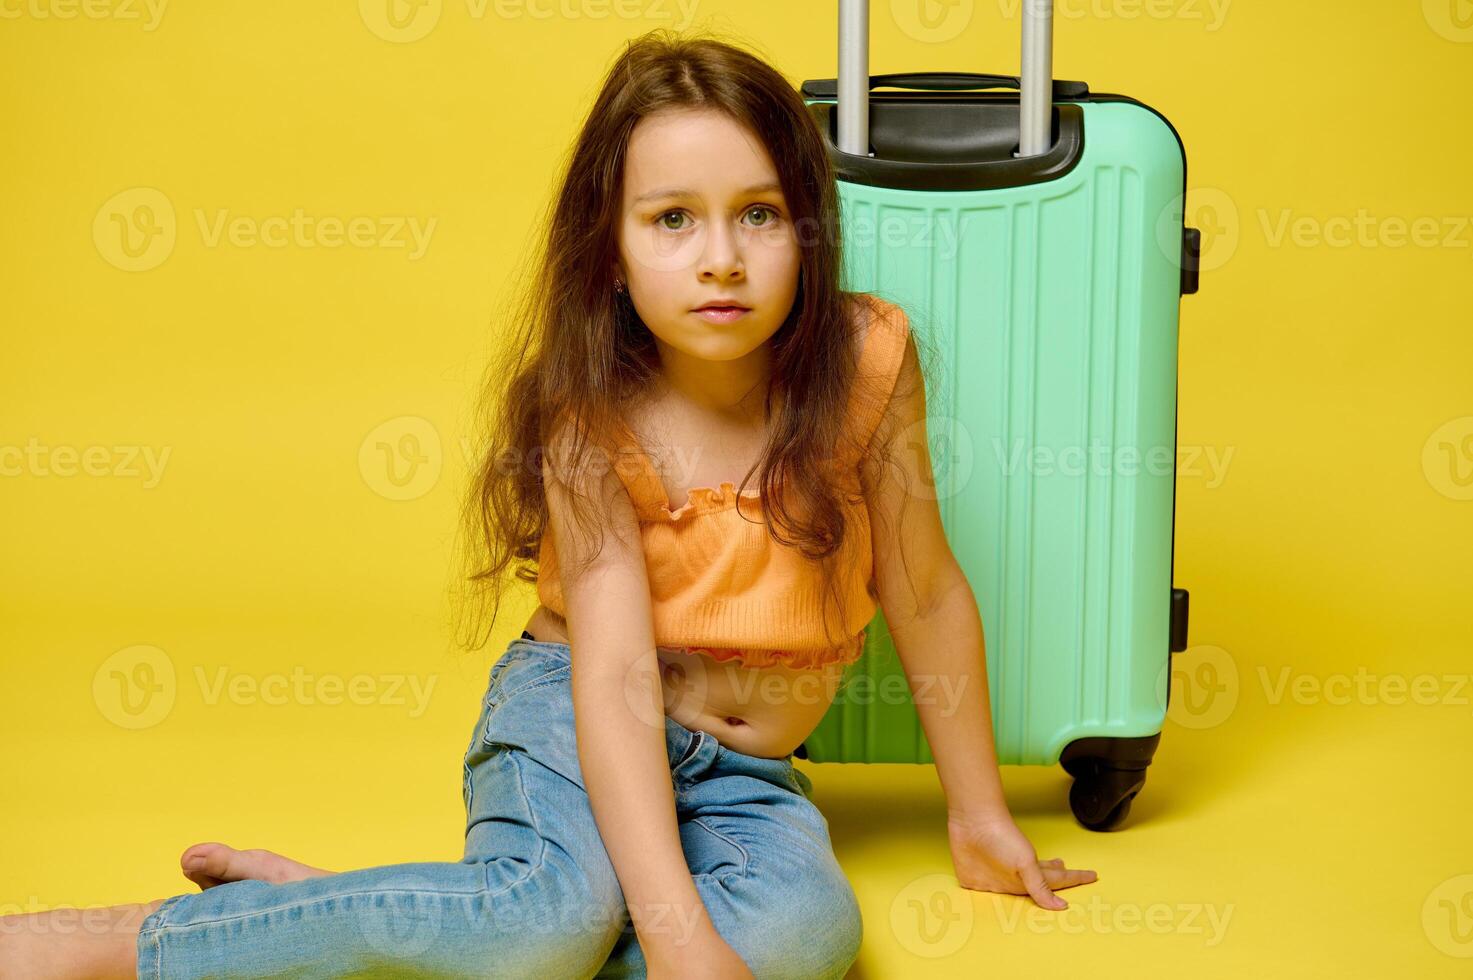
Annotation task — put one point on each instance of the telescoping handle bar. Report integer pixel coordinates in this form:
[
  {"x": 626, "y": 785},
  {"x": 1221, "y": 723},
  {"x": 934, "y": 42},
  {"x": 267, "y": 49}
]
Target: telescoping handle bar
[{"x": 1035, "y": 88}]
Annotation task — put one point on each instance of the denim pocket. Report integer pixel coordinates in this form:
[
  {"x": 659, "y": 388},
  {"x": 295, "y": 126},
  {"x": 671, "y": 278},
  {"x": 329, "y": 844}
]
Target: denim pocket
[
  {"x": 690, "y": 749},
  {"x": 529, "y": 710},
  {"x": 519, "y": 674},
  {"x": 524, "y": 674}
]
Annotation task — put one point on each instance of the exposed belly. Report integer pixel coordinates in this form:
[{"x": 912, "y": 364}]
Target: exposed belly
[{"x": 760, "y": 711}]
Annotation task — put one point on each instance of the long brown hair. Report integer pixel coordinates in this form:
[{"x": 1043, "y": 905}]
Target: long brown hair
[{"x": 579, "y": 351}]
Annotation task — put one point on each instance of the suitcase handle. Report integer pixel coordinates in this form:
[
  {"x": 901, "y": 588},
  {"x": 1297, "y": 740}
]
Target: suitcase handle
[
  {"x": 1035, "y": 91},
  {"x": 944, "y": 81}
]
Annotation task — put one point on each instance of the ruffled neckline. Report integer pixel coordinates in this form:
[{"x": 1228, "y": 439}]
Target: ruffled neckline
[
  {"x": 706, "y": 500},
  {"x": 698, "y": 500}
]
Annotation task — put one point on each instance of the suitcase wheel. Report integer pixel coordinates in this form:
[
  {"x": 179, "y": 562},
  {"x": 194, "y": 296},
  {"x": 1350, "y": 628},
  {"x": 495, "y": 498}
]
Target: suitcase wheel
[{"x": 1108, "y": 773}]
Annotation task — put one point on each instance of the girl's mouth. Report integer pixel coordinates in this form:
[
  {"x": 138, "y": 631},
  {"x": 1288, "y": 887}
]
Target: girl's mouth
[{"x": 721, "y": 314}]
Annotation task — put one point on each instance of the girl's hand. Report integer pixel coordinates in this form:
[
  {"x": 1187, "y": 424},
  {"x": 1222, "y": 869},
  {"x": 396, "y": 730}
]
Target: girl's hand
[
  {"x": 704, "y": 956},
  {"x": 991, "y": 854}
]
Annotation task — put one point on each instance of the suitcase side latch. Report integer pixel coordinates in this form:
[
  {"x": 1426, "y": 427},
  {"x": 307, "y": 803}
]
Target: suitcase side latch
[
  {"x": 1178, "y": 620},
  {"x": 1191, "y": 260}
]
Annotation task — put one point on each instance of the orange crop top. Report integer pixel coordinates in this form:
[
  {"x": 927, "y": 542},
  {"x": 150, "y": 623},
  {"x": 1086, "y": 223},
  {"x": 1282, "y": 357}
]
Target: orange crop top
[{"x": 720, "y": 586}]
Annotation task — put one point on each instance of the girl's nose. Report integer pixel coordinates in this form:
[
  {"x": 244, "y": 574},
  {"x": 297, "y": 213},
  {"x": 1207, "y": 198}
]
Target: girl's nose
[{"x": 721, "y": 257}]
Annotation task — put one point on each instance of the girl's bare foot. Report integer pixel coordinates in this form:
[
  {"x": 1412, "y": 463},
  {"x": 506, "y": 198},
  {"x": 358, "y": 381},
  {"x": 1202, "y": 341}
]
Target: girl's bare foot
[
  {"x": 210, "y": 864},
  {"x": 72, "y": 943},
  {"x": 102, "y": 942}
]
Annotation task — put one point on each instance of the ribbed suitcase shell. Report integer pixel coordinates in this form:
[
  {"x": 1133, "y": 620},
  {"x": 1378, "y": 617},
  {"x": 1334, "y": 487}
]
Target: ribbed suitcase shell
[{"x": 1054, "y": 309}]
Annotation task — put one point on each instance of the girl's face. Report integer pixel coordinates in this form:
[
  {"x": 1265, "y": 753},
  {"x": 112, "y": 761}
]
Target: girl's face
[{"x": 703, "y": 219}]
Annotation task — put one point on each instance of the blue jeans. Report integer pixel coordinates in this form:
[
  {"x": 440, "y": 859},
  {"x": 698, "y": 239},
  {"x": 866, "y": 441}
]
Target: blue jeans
[{"x": 535, "y": 894}]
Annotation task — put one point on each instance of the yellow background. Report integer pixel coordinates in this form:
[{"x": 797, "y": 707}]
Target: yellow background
[{"x": 1338, "y": 373}]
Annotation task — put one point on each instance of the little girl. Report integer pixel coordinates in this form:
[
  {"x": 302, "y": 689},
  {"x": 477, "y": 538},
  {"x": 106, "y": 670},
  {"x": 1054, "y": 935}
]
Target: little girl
[{"x": 632, "y": 805}]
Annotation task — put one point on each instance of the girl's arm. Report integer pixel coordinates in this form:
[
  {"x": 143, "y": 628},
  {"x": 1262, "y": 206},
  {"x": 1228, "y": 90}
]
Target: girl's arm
[
  {"x": 620, "y": 720},
  {"x": 937, "y": 629}
]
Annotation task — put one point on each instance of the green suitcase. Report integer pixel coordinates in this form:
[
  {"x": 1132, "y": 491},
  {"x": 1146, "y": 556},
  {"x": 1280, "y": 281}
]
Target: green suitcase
[{"x": 1048, "y": 280}]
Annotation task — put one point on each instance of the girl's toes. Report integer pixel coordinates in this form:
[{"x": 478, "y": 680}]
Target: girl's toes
[
  {"x": 211, "y": 864},
  {"x": 208, "y": 865}
]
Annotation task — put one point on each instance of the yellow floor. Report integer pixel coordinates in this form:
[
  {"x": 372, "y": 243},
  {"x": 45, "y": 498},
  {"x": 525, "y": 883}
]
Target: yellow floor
[
  {"x": 285, "y": 392},
  {"x": 1304, "y": 841},
  {"x": 1288, "y": 837}
]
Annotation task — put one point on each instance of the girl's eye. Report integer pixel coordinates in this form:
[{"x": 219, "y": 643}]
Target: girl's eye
[
  {"x": 764, "y": 208},
  {"x": 760, "y": 209}
]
